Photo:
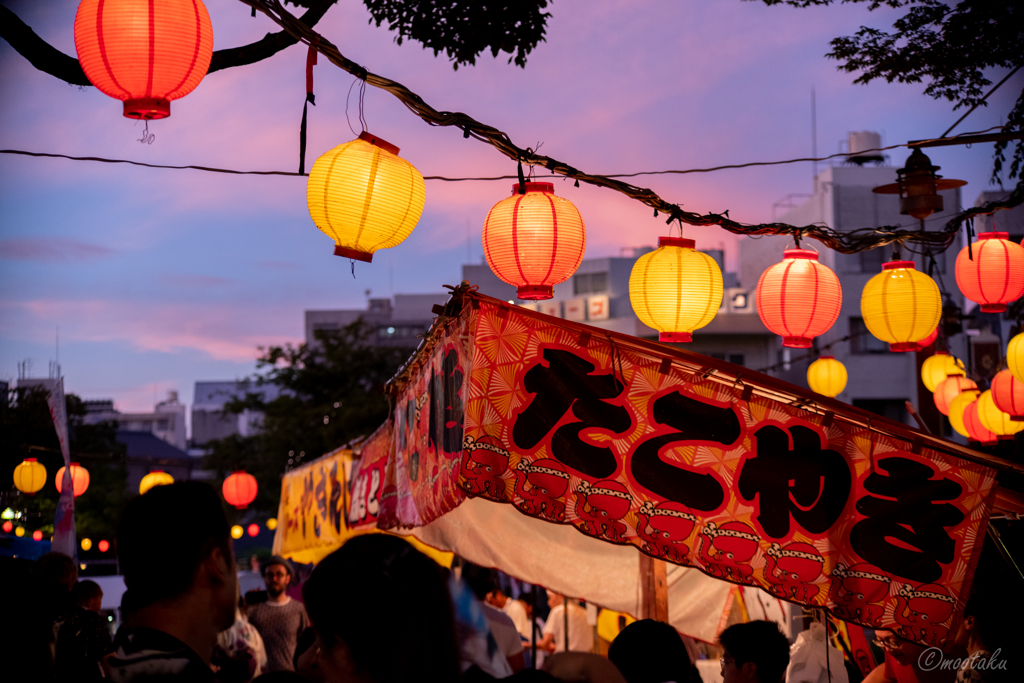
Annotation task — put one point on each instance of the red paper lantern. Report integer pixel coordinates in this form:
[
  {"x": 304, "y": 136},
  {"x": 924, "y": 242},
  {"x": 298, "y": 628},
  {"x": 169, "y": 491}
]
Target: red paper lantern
[
  {"x": 144, "y": 53},
  {"x": 103, "y": 545},
  {"x": 253, "y": 530},
  {"x": 534, "y": 240},
  {"x": 949, "y": 389},
  {"x": 1008, "y": 394},
  {"x": 240, "y": 489},
  {"x": 79, "y": 479},
  {"x": 8, "y": 526},
  {"x": 37, "y": 535},
  {"x": 975, "y": 429},
  {"x": 995, "y": 275},
  {"x": 799, "y": 298}
]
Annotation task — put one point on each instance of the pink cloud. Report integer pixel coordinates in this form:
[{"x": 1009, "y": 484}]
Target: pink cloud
[{"x": 51, "y": 250}]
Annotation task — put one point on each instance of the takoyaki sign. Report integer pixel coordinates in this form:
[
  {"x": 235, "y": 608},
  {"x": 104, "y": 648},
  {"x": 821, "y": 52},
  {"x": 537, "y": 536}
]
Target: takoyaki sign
[{"x": 633, "y": 450}]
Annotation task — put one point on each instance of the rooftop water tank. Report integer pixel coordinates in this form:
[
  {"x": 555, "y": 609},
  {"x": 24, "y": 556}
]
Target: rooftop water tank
[{"x": 859, "y": 143}]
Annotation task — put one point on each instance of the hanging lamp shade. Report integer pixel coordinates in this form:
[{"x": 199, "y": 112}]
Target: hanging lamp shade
[
  {"x": 957, "y": 408},
  {"x": 534, "y": 240},
  {"x": 79, "y": 479},
  {"x": 994, "y": 276},
  {"x": 799, "y": 298},
  {"x": 900, "y": 305},
  {"x": 976, "y": 431},
  {"x": 950, "y": 388},
  {"x": 29, "y": 476},
  {"x": 918, "y": 186},
  {"x": 1008, "y": 394},
  {"x": 827, "y": 376},
  {"x": 937, "y": 368},
  {"x": 365, "y": 197},
  {"x": 144, "y": 53},
  {"x": 1015, "y": 356},
  {"x": 675, "y": 289},
  {"x": 239, "y": 489},
  {"x": 155, "y": 478},
  {"x": 995, "y": 420}
]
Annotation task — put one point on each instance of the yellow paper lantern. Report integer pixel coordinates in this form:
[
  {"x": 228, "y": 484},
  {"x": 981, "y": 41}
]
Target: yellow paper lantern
[
  {"x": 937, "y": 368},
  {"x": 675, "y": 289},
  {"x": 155, "y": 478},
  {"x": 900, "y": 305},
  {"x": 237, "y": 532},
  {"x": 272, "y": 523},
  {"x": 956, "y": 410},
  {"x": 86, "y": 543},
  {"x": 364, "y": 196},
  {"x": 1015, "y": 356},
  {"x": 29, "y": 476},
  {"x": 996, "y": 421},
  {"x": 827, "y": 376},
  {"x": 19, "y": 531}
]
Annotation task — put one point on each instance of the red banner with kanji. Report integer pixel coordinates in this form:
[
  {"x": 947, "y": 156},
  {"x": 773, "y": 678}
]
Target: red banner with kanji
[{"x": 371, "y": 484}]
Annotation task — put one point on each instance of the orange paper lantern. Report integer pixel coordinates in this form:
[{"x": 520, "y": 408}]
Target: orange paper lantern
[
  {"x": 79, "y": 479},
  {"x": 975, "y": 429},
  {"x": 103, "y": 545},
  {"x": 949, "y": 389},
  {"x": 144, "y": 53},
  {"x": 799, "y": 298},
  {"x": 995, "y": 420},
  {"x": 37, "y": 535},
  {"x": 1008, "y": 394},
  {"x": 995, "y": 275},
  {"x": 253, "y": 530},
  {"x": 534, "y": 240},
  {"x": 239, "y": 489}
]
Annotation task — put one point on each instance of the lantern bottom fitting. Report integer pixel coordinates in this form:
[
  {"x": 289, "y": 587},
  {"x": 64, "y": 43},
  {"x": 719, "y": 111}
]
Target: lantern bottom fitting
[
  {"x": 354, "y": 254},
  {"x": 675, "y": 337},
  {"x": 797, "y": 342},
  {"x": 985, "y": 443},
  {"x": 902, "y": 347},
  {"x": 993, "y": 308},
  {"x": 535, "y": 292},
  {"x": 147, "y": 108},
  {"x": 1017, "y": 418}
]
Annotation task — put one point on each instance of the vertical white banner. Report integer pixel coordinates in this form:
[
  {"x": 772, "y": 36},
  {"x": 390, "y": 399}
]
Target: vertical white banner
[{"x": 64, "y": 519}]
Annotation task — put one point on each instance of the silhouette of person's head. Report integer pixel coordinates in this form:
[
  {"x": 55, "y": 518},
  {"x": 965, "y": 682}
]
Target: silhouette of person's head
[{"x": 649, "y": 651}]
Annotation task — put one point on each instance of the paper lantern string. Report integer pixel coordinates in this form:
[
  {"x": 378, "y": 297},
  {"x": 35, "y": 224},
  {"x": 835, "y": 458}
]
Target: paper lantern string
[
  {"x": 310, "y": 99},
  {"x": 522, "y": 178},
  {"x": 147, "y": 137}
]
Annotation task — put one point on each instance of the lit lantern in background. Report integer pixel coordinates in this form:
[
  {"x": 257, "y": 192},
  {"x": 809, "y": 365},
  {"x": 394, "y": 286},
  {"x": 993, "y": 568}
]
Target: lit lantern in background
[
  {"x": 799, "y": 299},
  {"x": 239, "y": 489},
  {"x": 144, "y": 53},
  {"x": 8, "y": 526},
  {"x": 957, "y": 407},
  {"x": 253, "y": 530},
  {"x": 826, "y": 376},
  {"x": 86, "y": 544},
  {"x": 272, "y": 523},
  {"x": 534, "y": 240},
  {"x": 155, "y": 478},
  {"x": 918, "y": 186},
  {"x": 995, "y": 275},
  {"x": 995, "y": 420},
  {"x": 975, "y": 429},
  {"x": 1015, "y": 356},
  {"x": 29, "y": 476},
  {"x": 950, "y": 388},
  {"x": 103, "y": 545},
  {"x": 938, "y": 367},
  {"x": 37, "y": 535},
  {"x": 19, "y": 531},
  {"x": 1008, "y": 394},
  {"x": 900, "y": 305},
  {"x": 675, "y": 289},
  {"x": 365, "y": 197},
  {"x": 79, "y": 479},
  {"x": 237, "y": 532}
]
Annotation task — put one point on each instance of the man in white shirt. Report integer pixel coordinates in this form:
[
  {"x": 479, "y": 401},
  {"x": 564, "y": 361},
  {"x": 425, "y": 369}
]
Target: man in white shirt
[
  {"x": 581, "y": 634},
  {"x": 515, "y": 610}
]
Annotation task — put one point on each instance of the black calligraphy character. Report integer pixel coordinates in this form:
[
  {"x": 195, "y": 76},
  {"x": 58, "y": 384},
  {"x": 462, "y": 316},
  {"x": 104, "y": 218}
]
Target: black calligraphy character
[
  {"x": 336, "y": 509},
  {"x": 566, "y": 382},
  {"x": 446, "y": 405},
  {"x": 807, "y": 483},
  {"x": 695, "y": 421},
  {"x": 904, "y": 533}
]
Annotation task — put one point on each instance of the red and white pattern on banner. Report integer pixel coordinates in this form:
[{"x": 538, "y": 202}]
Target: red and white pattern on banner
[{"x": 371, "y": 489}]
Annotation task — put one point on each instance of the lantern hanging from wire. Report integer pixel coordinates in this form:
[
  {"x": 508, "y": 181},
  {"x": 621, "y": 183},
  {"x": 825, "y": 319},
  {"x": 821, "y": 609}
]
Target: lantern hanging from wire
[
  {"x": 1015, "y": 356},
  {"x": 29, "y": 476},
  {"x": 995, "y": 420},
  {"x": 938, "y": 367},
  {"x": 1008, "y": 394},
  {"x": 103, "y": 545},
  {"x": 976, "y": 431},
  {"x": 919, "y": 187},
  {"x": 144, "y": 53},
  {"x": 950, "y": 388},
  {"x": 675, "y": 289},
  {"x": 799, "y": 298},
  {"x": 79, "y": 479},
  {"x": 364, "y": 196},
  {"x": 534, "y": 240},
  {"x": 37, "y": 535},
  {"x": 957, "y": 408},
  {"x": 900, "y": 305},
  {"x": 239, "y": 489},
  {"x": 991, "y": 271},
  {"x": 155, "y": 478},
  {"x": 827, "y": 376}
]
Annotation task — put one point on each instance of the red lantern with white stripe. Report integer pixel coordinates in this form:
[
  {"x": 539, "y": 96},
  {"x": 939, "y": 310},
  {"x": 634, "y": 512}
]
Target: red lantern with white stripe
[{"x": 799, "y": 298}]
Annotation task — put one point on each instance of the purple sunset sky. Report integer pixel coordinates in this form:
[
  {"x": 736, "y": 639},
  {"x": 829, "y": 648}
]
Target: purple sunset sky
[{"x": 159, "y": 278}]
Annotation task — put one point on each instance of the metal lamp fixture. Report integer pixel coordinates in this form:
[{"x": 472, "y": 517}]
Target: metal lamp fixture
[{"x": 918, "y": 186}]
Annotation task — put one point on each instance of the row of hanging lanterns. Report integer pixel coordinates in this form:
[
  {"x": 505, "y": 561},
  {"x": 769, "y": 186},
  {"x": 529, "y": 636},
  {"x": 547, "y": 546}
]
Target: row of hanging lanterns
[
  {"x": 30, "y": 477},
  {"x": 253, "y": 530}
]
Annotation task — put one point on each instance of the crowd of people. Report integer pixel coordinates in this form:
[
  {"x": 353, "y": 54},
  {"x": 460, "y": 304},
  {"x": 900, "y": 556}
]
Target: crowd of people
[{"x": 374, "y": 611}]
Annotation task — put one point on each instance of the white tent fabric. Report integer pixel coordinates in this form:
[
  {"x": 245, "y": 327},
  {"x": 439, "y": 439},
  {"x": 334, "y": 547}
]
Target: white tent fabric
[{"x": 559, "y": 557}]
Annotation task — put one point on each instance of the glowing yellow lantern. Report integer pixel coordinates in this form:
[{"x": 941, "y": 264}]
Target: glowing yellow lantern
[
  {"x": 19, "y": 531},
  {"x": 364, "y": 196},
  {"x": 900, "y": 305},
  {"x": 675, "y": 289},
  {"x": 237, "y": 532},
  {"x": 996, "y": 421},
  {"x": 950, "y": 388},
  {"x": 937, "y": 368},
  {"x": 86, "y": 543},
  {"x": 272, "y": 523},
  {"x": 827, "y": 376},
  {"x": 1015, "y": 356},
  {"x": 29, "y": 476},
  {"x": 957, "y": 408},
  {"x": 155, "y": 478}
]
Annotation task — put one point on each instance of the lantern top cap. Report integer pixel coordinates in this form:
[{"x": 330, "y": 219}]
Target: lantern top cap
[
  {"x": 826, "y": 357},
  {"x": 676, "y": 242},
  {"x": 378, "y": 142},
  {"x": 918, "y": 161},
  {"x": 75, "y": 464},
  {"x": 30, "y": 459},
  {"x": 993, "y": 236},
  {"x": 941, "y": 353},
  {"x": 535, "y": 187},
  {"x": 809, "y": 254},
  {"x": 156, "y": 471},
  {"x": 894, "y": 265}
]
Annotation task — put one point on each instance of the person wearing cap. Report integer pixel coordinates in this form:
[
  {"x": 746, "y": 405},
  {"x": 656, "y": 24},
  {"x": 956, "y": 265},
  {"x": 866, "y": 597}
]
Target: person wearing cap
[{"x": 280, "y": 619}]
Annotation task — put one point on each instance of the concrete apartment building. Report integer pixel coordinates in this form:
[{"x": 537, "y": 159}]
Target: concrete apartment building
[
  {"x": 209, "y": 421},
  {"x": 395, "y": 322},
  {"x": 166, "y": 422}
]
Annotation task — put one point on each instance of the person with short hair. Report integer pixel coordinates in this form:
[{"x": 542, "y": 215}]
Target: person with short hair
[
  {"x": 83, "y": 639},
  {"x": 649, "y": 651},
  {"x": 88, "y": 595},
  {"x": 754, "y": 652},
  {"x": 279, "y": 619},
  {"x": 581, "y": 634},
  {"x": 483, "y": 583},
  {"x": 903, "y": 663}
]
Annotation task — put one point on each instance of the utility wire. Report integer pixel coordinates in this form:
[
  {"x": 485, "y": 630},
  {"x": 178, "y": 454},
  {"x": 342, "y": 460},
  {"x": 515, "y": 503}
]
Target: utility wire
[{"x": 981, "y": 101}]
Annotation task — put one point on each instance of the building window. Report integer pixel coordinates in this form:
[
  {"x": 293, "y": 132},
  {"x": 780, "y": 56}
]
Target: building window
[
  {"x": 590, "y": 283},
  {"x": 863, "y": 342},
  {"x": 163, "y": 425}
]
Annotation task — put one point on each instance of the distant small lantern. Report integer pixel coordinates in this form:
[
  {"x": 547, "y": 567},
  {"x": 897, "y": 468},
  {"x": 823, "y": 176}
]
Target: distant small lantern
[
  {"x": 103, "y": 545},
  {"x": 79, "y": 479},
  {"x": 976, "y": 430},
  {"x": 675, "y": 289},
  {"x": 272, "y": 523},
  {"x": 37, "y": 535},
  {"x": 1015, "y": 356},
  {"x": 919, "y": 187},
  {"x": 950, "y": 388},
  {"x": 86, "y": 544},
  {"x": 799, "y": 298},
  {"x": 8, "y": 526},
  {"x": 991, "y": 271},
  {"x": 155, "y": 478},
  {"x": 534, "y": 240},
  {"x": 19, "y": 531},
  {"x": 239, "y": 489},
  {"x": 995, "y": 420},
  {"x": 957, "y": 408},
  {"x": 237, "y": 532},
  {"x": 253, "y": 530},
  {"x": 827, "y": 376},
  {"x": 365, "y": 197},
  {"x": 1008, "y": 394},
  {"x": 937, "y": 368},
  {"x": 900, "y": 305},
  {"x": 29, "y": 476}
]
